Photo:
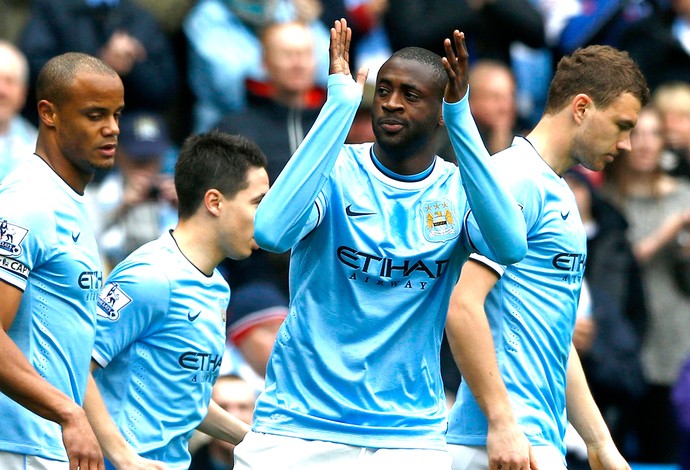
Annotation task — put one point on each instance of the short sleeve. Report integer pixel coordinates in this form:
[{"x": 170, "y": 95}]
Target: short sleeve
[{"x": 130, "y": 304}]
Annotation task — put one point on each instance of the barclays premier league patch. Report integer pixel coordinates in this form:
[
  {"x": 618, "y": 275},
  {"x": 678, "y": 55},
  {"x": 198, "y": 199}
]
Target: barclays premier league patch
[
  {"x": 11, "y": 237},
  {"x": 111, "y": 301},
  {"x": 439, "y": 220}
]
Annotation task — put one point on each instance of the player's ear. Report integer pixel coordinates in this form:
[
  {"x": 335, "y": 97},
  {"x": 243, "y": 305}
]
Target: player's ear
[
  {"x": 581, "y": 105},
  {"x": 212, "y": 201},
  {"x": 46, "y": 112}
]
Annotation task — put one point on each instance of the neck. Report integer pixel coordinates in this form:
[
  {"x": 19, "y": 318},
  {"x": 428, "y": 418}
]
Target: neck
[
  {"x": 553, "y": 143},
  {"x": 75, "y": 178},
  {"x": 410, "y": 161},
  {"x": 197, "y": 244}
]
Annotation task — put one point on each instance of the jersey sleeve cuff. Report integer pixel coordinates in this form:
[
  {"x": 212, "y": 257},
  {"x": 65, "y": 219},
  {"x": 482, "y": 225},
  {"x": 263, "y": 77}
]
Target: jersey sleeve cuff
[
  {"x": 494, "y": 266},
  {"x": 96, "y": 356}
]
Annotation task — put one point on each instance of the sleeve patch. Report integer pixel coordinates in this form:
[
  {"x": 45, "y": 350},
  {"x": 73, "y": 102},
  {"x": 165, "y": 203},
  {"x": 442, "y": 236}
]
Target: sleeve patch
[
  {"x": 111, "y": 300},
  {"x": 11, "y": 237}
]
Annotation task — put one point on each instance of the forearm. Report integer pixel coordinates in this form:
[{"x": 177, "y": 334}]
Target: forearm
[
  {"x": 20, "y": 381},
  {"x": 583, "y": 412},
  {"x": 222, "y": 425},
  {"x": 469, "y": 337},
  {"x": 494, "y": 208},
  {"x": 113, "y": 444},
  {"x": 287, "y": 205}
]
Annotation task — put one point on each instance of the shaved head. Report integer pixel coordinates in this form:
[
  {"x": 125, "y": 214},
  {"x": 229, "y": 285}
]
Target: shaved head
[{"x": 58, "y": 73}]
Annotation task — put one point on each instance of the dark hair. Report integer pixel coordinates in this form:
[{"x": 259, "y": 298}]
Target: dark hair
[
  {"x": 601, "y": 72},
  {"x": 426, "y": 57},
  {"x": 56, "y": 76},
  {"x": 213, "y": 160}
]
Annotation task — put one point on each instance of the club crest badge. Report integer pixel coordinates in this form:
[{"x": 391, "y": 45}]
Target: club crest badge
[
  {"x": 11, "y": 237},
  {"x": 111, "y": 301},
  {"x": 440, "y": 220}
]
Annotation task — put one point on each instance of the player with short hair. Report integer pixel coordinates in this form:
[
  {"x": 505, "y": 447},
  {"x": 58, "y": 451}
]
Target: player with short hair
[
  {"x": 378, "y": 234},
  {"x": 50, "y": 269},
  {"x": 160, "y": 342},
  {"x": 593, "y": 104}
]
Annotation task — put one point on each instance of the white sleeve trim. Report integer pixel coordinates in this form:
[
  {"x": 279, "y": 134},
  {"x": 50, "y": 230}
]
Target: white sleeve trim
[
  {"x": 96, "y": 356},
  {"x": 494, "y": 266}
]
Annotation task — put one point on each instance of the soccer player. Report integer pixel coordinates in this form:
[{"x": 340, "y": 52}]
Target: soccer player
[
  {"x": 593, "y": 104},
  {"x": 50, "y": 270},
  {"x": 161, "y": 317},
  {"x": 378, "y": 233}
]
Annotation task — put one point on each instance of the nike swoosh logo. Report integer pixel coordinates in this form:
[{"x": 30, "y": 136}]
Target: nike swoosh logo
[
  {"x": 193, "y": 317},
  {"x": 565, "y": 216},
  {"x": 75, "y": 237},
  {"x": 351, "y": 213}
]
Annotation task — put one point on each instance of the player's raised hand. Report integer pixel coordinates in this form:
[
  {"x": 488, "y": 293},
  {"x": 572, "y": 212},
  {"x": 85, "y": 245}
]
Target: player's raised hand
[
  {"x": 341, "y": 35},
  {"x": 456, "y": 63}
]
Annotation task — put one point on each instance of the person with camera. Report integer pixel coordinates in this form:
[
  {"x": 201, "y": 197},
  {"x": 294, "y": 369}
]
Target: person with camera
[{"x": 137, "y": 202}]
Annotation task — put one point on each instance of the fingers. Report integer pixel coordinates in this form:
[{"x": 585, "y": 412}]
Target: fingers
[
  {"x": 532, "y": 461},
  {"x": 341, "y": 36},
  {"x": 348, "y": 39}
]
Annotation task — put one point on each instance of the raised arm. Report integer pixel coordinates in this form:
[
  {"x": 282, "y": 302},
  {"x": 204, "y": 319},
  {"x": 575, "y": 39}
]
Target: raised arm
[
  {"x": 496, "y": 212},
  {"x": 283, "y": 213},
  {"x": 469, "y": 337}
]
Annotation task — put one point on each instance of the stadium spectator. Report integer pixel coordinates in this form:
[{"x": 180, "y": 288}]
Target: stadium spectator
[
  {"x": 377, "y": 243},
  {"x": 594, "y": 101},
  {"x": 15, "y": 14},
  {"x": 657, "y": 206},
  {"x": 236, "y": 397},
  {"x": 491, "y": 25},
  {"x": 161, "y": 314},
  {"x": 122, "y": 34},
  {"x": 17, "y": 135},
  {"x": 225, "y": 49},
  {"x": 672, "y": 100},
  {"x": 50, "y": 270},
  {"x": 660, "y": 43},
  {"x": 135, "y": 203}
]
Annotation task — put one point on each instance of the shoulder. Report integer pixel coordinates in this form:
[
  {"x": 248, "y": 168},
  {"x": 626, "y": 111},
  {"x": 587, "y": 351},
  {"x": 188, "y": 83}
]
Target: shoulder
[{"x": 148, "y": 267}]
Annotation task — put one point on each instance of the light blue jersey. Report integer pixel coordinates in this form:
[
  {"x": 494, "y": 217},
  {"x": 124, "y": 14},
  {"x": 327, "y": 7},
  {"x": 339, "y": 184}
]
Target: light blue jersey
[
  {"x": 160, "y": 340},
  {"x": 533, "y": 306},
  {"x": 375, "y": 257},
  {"x": 47, "y": 250}
]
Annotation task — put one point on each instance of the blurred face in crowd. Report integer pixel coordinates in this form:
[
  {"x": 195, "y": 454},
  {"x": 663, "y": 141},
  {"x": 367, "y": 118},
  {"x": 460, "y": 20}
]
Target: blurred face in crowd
[
  {"x": 237, "y": 397},
  {"x": 676, "y": 128},
  {"x": 492, "y": 95},
  {"x": 13, "y": 83},
  {"x": 289, "y": 57},
  {"x": 682, "y": 7},
  {"x": 647, "y": 143},
  {"x": 605, "y": 132}
]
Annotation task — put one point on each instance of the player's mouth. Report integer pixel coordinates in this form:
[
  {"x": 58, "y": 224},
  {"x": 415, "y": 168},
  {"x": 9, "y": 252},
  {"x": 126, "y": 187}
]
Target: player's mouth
[
  {"x": 391, "y": 125},
  {"x": 108, "y": 150}
]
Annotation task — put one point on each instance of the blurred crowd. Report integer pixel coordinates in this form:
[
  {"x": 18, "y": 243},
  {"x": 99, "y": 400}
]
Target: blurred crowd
[{"x": 259, "y": 68}]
